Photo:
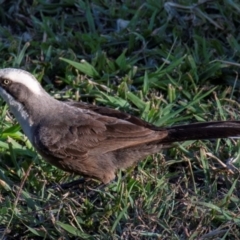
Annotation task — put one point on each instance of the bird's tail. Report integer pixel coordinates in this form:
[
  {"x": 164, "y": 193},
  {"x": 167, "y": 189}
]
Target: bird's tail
[{"x": 200, "y": 131}]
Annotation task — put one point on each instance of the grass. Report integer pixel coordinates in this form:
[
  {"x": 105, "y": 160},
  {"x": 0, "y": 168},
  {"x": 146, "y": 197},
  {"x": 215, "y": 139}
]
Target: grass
[{"x": 166, "y": 62}]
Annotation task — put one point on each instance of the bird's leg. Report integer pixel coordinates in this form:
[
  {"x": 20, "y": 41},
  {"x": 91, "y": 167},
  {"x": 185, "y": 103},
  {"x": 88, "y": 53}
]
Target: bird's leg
[{"x": 72, "y": 183}]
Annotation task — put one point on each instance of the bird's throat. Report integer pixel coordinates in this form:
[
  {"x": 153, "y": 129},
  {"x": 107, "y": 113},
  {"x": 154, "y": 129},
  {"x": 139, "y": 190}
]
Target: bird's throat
[{"x": 20, "y": 113}]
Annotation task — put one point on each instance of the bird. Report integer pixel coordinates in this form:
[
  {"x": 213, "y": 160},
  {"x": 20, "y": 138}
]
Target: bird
[{"x": 89, "y": 140}]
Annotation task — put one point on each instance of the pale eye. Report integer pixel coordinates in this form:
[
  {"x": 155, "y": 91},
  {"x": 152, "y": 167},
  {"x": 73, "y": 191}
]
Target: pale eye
[{"x": 6, "y": 81}]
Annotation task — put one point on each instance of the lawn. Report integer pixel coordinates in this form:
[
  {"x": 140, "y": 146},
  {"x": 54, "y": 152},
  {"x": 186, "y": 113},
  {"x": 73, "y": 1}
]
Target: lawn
[{"x": 169, "y": 63}]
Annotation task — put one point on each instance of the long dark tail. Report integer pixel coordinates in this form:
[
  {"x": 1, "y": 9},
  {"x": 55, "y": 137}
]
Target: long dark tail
[{"x": 208, "y": 130}]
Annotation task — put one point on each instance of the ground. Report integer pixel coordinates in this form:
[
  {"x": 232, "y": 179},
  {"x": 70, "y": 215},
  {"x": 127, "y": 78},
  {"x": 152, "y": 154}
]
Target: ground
[{"x": 166, "y": 62}]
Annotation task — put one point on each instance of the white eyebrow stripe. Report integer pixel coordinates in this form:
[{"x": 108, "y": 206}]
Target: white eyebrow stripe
[{"x": 23, "y": 77}]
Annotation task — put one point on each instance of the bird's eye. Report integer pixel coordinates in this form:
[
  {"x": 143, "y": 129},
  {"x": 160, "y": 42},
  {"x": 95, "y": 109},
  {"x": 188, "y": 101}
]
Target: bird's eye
[{"x": 6, "y": 81}]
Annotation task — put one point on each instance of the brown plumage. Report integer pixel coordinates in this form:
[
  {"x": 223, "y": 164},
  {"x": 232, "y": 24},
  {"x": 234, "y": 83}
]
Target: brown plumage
[
  {"x": 90, "y": 140},
  {"x": 101, "y": 140}
]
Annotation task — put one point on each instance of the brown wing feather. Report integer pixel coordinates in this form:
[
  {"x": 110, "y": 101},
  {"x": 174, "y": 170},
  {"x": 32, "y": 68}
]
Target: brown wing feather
[
  {"x": 105, "y": 111},
  {"x": 92, "y": 133}
]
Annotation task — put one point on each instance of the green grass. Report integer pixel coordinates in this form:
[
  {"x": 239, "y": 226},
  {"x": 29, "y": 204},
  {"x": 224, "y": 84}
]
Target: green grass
[{"x": 171, "y": 63}]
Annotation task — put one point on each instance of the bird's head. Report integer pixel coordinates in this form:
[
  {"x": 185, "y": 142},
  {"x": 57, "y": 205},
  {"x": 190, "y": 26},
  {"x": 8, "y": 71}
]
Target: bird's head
[
  {"x": 27, "y": 100},
  {"x": 19, "y": 85}
]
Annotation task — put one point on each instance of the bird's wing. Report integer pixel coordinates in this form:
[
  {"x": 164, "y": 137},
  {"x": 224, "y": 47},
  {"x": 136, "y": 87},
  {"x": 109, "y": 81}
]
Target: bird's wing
[
  {"x": 105, "y": 111},
  {"x": 91, "y": 133}
]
